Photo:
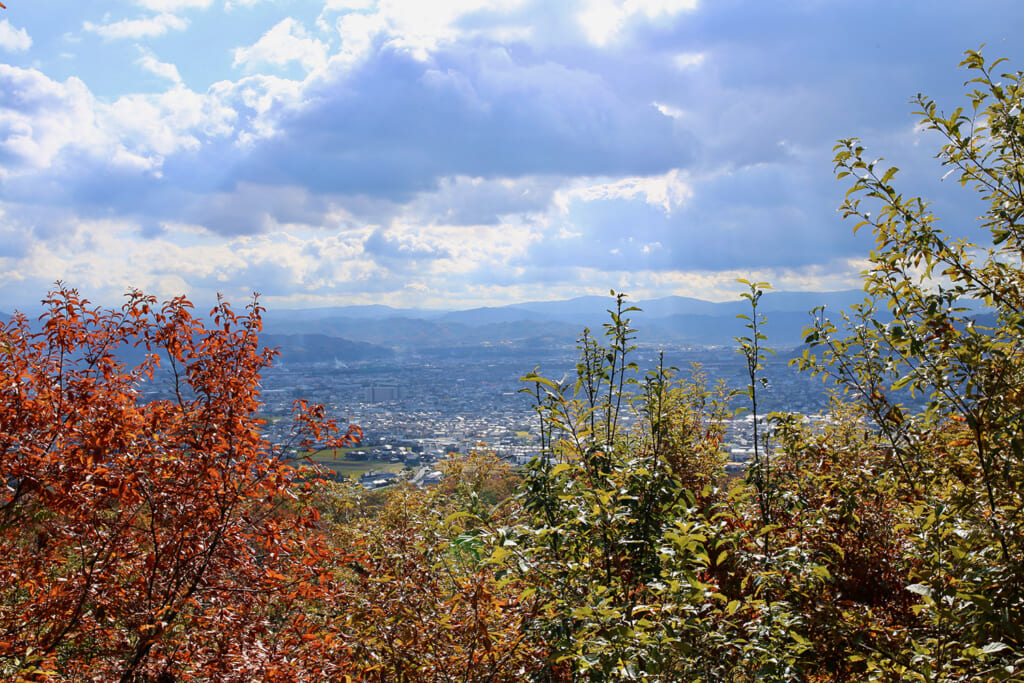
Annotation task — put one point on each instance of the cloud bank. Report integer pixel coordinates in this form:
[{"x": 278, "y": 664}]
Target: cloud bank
[{"x": 459, "y": 153}]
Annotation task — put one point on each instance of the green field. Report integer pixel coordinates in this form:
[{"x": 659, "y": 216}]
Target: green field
[
  {"x": 353, "y": 468},
  {"x": 332, "y": 454}
]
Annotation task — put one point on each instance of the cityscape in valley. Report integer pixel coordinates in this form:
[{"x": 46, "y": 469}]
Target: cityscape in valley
[
  {"x": 423, "y": 385},
  {"x": 423, "y": 409}
]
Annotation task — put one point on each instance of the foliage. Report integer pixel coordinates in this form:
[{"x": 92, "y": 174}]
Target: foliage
[
  {"x": 954, "y": 312},
  {"x": 422, "y": 604},
  {"x": 146, "y": 540},
  {"x": 878, "y": 543},
  {"x": 754, "y": 353},
  {"x": 612, "y": 543}
]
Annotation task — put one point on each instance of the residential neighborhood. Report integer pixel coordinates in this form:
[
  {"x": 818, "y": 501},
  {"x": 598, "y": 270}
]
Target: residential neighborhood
[{"x": 417, "y": 412}]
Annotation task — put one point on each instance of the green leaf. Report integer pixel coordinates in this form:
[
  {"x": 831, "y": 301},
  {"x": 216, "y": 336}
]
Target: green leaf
[
  {"x": 992, "y": 648},
  {"x": 822, "y": 572},
  {"x": 456, "y": 516},
  {"x": 920, "y": 589}
]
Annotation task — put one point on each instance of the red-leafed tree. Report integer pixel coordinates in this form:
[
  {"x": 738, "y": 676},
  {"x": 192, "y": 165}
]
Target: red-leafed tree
[{"x": 152, "y": 540}]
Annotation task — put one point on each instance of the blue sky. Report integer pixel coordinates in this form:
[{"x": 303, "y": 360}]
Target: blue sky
[{"x": 460, "y": 153}]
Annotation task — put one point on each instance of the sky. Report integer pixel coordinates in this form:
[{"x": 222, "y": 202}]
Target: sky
[{"x": 460, "y": 153}]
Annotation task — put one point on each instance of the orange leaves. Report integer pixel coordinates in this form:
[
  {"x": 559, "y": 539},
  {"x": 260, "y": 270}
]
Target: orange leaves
[
  {"x": 276, "y": 576},
  {"x": 313, "y": 427},
  {"x": 163, "y": 529}
]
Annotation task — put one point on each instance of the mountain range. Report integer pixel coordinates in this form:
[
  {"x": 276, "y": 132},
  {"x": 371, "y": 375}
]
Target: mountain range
[
  {"x": 548, "y": 324},
  {"x": 376, "y": 332}
]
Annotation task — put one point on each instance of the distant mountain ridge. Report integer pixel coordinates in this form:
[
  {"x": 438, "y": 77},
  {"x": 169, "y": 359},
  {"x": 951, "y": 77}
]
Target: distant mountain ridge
[
  {"x": 378, "y": 332},
  {"x": 315, "y": 348},
  {"x": 674, "y": 319}
]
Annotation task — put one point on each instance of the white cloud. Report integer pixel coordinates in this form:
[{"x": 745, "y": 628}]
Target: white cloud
[
  {"x": 420, "y": 27},
  {"x": 259, "y": 101},
  {"x": 357, "y": 32},
  {"x": 105, "y": 257},
  {"x": 232, "y": 4},
  {"x": 14, "y": 39},
  {"x": 655, "y": 8},
  {"x": 173, "y": 5},
  {"x": 138, "y": 28},
  {"x": 348, "y": 7},
  {"x": 669, "y": 110},
  {"x": 668, "y": 191},
  {"x": 49, "y": 116},
  {"x": 602, "y": 20},
  {"x": 423, "y": 250},
  {"x": 285, "y": 43},
  {"x": 150, "y": 63},
  {"x": 51, "y": 121},
  {"x": 341, "y": 5},
  {"x": 689, "y": 60},
  {"x": 146, "y": 131}
]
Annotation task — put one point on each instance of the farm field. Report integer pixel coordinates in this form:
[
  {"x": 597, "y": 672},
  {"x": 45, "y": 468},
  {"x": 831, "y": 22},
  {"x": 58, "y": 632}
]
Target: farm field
[{"x": 353, "y": 468}]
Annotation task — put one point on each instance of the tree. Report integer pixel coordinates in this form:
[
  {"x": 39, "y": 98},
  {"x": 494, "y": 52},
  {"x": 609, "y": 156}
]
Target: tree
[
  {"x": 424, "y": 604},
  {"x": 943, "y": 321},
  {"x": 614, "y": 540},
  {"x": 149, "y": 540},
  {"x": 887, "y": 543}
]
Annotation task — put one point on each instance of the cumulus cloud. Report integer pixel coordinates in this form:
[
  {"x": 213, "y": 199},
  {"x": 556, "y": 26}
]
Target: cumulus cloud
[
  {"x": 419, "y": 28},
  {"x": 251, "y": 208},
  {"x": 339, "y": 5},
  {"x": 408, "y": 246},
  {"x": 286, "y": 42},
  {"x": 40, "y": 117},
  {"x": 481, "y": 115},
  {"x": 173, "y": 5},
  {"x": 13, "y": 39},
  {"x": 475, "y": 149},
  {"x": 602, "y": 20},
  {"x": 668, "y": 191},
  {"x": 150, "y": 63},
  {"x": 257, "y": 103},
  {"x": 762, "y": 216},
  {"x": 231, "y": 4},
  {"x": 483, "y": 121},
  {"x": 358, "y": 33},
  {"x": 58, "y": 142},
  {"x": 137, "y": 29},
  {"x": 476, "y": 201}
]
